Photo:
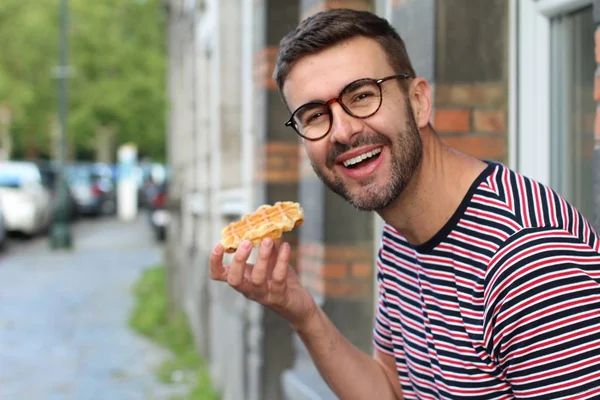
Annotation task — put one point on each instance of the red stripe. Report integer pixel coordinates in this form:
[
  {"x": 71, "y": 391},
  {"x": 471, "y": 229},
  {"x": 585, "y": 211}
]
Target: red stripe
[
  {"x": 431, "y": 324},
  {"x": 550, "y": 389},
  {"x": 548, "y": 327},
  {"x": 554, "y": 356}
]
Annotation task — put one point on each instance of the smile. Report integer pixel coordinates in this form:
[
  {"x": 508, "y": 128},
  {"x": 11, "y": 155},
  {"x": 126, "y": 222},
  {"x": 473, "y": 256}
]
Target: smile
[{"x": 361, "y": 157}]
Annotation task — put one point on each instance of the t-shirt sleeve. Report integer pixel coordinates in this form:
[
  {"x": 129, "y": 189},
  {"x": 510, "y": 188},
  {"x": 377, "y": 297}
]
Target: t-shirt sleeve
[
  {"x": 542, "y": 315},
  {"x": 382, "y": 336}
]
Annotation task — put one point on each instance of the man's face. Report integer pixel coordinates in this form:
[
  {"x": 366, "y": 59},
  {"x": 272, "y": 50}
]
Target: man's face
[{"x": 388, "y": 142}]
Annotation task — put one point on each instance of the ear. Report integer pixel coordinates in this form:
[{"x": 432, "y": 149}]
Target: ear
[{"x": 420, "y": 101}]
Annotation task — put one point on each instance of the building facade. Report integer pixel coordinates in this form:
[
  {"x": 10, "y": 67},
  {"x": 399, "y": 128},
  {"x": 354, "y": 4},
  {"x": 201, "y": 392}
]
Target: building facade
[{"x": 513, "y": 81}]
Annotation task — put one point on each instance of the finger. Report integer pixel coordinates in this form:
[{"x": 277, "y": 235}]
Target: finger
[
  {"x": 261, "y": 267},
  {"x": 281, "y": 267},
  {"x": 217, "y": 271},
  {"x": 235, "y": 275},
  {"x": 273, "y": 258}
]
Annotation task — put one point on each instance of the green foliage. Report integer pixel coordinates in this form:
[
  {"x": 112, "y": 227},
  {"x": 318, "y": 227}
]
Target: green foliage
[
  {"x": 29, "y": 50},
  {"x": 150, "y": 318},
  {"x": 117, "y": 51}
]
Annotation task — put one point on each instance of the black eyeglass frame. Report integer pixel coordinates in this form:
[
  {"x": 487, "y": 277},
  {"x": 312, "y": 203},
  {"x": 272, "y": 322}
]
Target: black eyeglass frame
[{"x": 378, "y": 82}]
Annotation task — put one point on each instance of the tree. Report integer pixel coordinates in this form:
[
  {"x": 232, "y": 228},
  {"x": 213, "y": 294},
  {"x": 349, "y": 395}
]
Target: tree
[
  {"x": 28, "y": 52},
  {"x": 117, "y": 51}
]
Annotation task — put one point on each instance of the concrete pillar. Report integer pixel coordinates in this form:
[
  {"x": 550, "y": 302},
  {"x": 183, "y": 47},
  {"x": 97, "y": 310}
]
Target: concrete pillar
[
  {"x": 335, "y": 259},
  {"x": 275, "y": 179},
  {"x": 173, "y": 250},
  {"x": 229, "y": 321}
]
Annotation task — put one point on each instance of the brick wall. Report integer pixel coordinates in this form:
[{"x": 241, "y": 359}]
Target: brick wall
[
  {"x": 278, "y": 162},
  {"x": 472, "y": 118},
  {"x": 337, "y": 270},
  {"x": 471, "y": 77}
]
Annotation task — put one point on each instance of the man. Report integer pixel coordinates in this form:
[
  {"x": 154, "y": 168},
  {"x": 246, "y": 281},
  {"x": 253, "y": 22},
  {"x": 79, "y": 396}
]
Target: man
[{"x": 489, "y": 282}]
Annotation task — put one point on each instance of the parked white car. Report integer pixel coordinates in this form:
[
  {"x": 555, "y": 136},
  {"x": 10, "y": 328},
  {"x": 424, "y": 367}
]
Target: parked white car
[{"x": 26, "y": 202}]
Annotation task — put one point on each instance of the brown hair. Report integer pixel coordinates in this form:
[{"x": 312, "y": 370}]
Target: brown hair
[{"x": 328, "y": 28}]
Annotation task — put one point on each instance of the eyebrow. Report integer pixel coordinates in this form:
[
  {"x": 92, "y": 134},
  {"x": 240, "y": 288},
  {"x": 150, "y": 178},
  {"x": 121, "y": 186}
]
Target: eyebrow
[{"x": 346, "y": 85}]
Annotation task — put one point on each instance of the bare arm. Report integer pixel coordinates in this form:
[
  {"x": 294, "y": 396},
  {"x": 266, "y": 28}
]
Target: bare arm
[{"x": 349, "y": 372}]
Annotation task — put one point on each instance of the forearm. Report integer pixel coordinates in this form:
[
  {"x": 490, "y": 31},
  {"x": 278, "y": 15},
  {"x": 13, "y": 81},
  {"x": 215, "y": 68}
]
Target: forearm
[{"x": 349, "y": 372}]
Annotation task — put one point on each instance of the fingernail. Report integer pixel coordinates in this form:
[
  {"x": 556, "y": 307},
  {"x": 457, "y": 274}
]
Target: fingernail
[
  {"x": 246, "y": 245},
  {"x": 217, "y": 249},
  {"x": 266, "y": 244}
]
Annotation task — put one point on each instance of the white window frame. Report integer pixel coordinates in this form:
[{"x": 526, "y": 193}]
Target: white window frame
[{"x": 530, "y": 31}]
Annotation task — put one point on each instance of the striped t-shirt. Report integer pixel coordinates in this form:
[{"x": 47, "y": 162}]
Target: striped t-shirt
[{"x": 503, "y": 303}]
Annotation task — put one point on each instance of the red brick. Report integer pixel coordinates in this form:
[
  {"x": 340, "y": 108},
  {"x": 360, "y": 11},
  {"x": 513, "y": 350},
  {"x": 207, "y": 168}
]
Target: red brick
[
  {"x": 264, "y": 64},
  {"x": 274, "y": 176},
  {"x": 454, "y": 121},
  {"x": 277, "y": 162},
  {"x": 489, "y": 121},
  {"x": 597, "y": 125},
  {"x": 597, "y": 44},
  {"x": 362, "y": 270},
  {"x": 471, "y": 95},
  {"x": 334, "y": 271},
  {"x": 347, "y": 289},
  {"x": 348, "y": 253},
  {"x": 353, "y": 4},
  {"x": 286, "y": 148},
  {"x": 490, "y": 147}
]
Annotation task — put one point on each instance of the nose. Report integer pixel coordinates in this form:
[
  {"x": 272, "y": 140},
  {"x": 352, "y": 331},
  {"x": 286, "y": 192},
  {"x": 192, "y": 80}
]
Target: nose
[{"x": 343, "y": 125}]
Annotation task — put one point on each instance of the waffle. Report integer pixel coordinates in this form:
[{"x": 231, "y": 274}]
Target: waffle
[{"x": 266, "y": 222}]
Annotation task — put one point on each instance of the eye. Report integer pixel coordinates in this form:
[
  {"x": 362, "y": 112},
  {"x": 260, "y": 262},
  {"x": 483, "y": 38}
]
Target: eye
[
  {"x": 362, "y": 96},
  {"x": 314, "y": 116}
]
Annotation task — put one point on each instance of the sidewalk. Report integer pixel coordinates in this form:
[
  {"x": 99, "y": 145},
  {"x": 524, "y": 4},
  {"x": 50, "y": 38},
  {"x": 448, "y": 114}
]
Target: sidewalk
[{"x": 63, "y": 317}]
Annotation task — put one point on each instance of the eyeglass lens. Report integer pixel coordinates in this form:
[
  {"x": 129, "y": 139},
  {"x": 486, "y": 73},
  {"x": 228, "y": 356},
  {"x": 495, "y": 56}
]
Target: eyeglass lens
[{"x": 359, "y": 99}]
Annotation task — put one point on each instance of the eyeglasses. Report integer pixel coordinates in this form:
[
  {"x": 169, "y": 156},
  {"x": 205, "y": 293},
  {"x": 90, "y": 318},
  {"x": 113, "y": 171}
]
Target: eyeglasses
[{"x": 360, "y": 99}]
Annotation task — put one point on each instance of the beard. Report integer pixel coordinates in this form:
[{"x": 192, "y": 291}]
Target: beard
[{"x": 406, "y": 151}]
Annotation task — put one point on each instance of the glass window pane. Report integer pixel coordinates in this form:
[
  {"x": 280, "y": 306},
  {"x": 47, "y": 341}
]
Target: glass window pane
[{"x": 573, "y": 108}]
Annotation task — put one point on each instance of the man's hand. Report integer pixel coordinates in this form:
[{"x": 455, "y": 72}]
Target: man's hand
[{"x": 270, "y": 282}]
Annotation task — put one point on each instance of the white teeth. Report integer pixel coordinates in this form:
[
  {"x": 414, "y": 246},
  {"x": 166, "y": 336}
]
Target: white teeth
[{"x": 361, "y": 157}]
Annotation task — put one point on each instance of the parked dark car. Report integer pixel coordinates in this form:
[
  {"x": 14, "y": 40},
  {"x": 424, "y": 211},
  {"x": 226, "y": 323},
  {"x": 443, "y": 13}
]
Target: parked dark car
[
  {"x": 158, "y": 213},
  {"x": 94, "y": 191}
]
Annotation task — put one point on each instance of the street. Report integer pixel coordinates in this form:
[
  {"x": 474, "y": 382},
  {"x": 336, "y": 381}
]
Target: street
[{"x": 63, "y": 316}]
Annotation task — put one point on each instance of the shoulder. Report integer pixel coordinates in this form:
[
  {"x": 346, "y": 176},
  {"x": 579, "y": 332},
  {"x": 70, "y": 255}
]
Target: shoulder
[
  {"x": 533, "y": 252},
  {"x": 539, "y": 272},
  {"x": 528, "y": 204},
  {"x": 542, "y": 301}
]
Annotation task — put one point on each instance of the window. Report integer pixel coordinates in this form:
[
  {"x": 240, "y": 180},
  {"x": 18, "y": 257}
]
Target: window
[{"x": 573, "y": 107}]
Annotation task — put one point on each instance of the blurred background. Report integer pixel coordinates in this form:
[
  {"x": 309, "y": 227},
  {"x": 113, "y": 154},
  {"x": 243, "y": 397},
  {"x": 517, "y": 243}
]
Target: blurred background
[{"x": 132, "y": 131}]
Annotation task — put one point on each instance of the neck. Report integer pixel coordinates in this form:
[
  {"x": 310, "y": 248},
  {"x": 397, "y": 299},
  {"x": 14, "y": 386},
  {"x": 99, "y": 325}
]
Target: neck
[{"x": 434, "y": 192}]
